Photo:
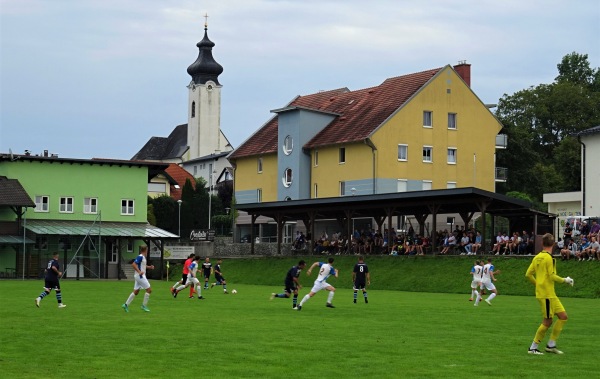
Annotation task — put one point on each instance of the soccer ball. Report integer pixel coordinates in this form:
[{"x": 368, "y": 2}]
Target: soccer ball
[{"x": 234, "y": 292}]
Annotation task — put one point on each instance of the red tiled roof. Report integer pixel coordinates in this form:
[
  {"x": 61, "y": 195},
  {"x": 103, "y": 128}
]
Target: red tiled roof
[
  {"x": 361, "y": 112},
  {"x": 179, "y": 175}
]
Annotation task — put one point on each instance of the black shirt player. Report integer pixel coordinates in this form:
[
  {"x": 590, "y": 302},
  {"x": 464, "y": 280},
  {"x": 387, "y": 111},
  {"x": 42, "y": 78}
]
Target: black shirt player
[
  {"x": 52, "y": 281},
  {"x": 292, "y": 285},
  {"x": 206, "y": 269},
  {"x": 219, "y": 279},
  {"x": 361, "y": 278}
]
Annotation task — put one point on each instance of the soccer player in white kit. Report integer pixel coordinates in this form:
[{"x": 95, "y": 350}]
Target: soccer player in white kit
[
  {"x": 487, "y": 278},
  {"x": 192, "y": 279},
  {"x": 325, "y": 270},
  {"x": 141, "y": 280},
  {"x": 476, "y": 272}
]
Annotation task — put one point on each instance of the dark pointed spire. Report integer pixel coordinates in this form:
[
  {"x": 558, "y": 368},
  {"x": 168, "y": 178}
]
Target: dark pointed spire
[{"x": 205, "y": 67}]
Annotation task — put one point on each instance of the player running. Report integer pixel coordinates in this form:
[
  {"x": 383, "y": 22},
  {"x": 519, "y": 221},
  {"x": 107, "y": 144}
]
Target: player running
[
  {"x": 361, "y": 278},
  {"x": 325, "y": 270},
  {"x": 206, "y": 270},
  {"x": 292, "y": 285},
  {"x": 486, "y": 281},
  {"x": 184, "y": 276},
  {"x": 52, "y": 281},
  {"x": 220, "y": 280},
  {"x": 141, "y": 280},
  {"x": 192, "y": 279},
  {"x": 477, "y": 274}
]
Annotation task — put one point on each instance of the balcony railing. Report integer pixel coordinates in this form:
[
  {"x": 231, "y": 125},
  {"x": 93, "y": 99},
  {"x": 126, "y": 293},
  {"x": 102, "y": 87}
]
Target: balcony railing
[
  {"x": 501, "y": 141},
  {"x": 501, "y": 174}
]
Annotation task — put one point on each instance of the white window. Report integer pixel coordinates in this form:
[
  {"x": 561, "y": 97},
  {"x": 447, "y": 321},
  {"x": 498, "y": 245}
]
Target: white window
[
  {"x": 288, "y": 145},
  {"x": 157, "y": 187},
  {"x": 402, "y": 185},
  {"x": 427, "y": 184},
  {"x": 316, "y": 192},
  {"x": 66, "y": 205},
  {"x": 451, "y": 120},
  {"x": 195, "y": 170},
  {"x": 114, "y": 253},
  {"x": 41, "y": 203},
  {"x": 428, "y": 119},
  {"x": 259, "y": 195},
  {"x": 316, "y": 158},
  {"x": 259, "y": 165},
  {"x": 427, "y": 154},
  {"x": 90, "y": 205},
  {"x": 451, "y": 155},
  {"x": 342, "y": 155},
  {"x": 402, "y": 152},
  {"x": 127, "y": 207},
  {"x": 450, "y": 185},
  {"x": 287, "y": 177},
  {"x": 342, "y": 188}
]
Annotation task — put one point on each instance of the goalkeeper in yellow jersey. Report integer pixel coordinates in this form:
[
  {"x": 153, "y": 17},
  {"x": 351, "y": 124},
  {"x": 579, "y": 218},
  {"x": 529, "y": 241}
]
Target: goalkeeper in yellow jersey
[{"x": 542, "y": 273}]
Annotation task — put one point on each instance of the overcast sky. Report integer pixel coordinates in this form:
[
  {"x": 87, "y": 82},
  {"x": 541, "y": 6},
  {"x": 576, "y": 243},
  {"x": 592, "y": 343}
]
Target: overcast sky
[{"x": 98, "y": 78}]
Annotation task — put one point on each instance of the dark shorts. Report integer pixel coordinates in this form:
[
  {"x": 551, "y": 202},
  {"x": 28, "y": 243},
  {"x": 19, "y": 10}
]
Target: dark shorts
[
  {"x": 184, "y": 278},
  {"x": 359, "y": 285},
  {"x": 207, "y": 274},
  {"x": 52, "y": 284},
  {"x": 219, "y": 278},
  {"x": 290, "y": 287}
]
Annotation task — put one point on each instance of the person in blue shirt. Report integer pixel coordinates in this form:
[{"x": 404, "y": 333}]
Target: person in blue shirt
[
  {"x": 52, "y": 281},
  {"x": 141, "y": 280},
  {"x": 325, "y": 271},
  {"x": 292, "y": 285}
]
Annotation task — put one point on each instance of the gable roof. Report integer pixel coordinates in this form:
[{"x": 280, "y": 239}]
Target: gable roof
[
  {"x": 593, "y": 130},
  {"x": 13, "y": 194},
  {"x": 162, "y": 148},
  {"x": 177, "y": 175},
  {"x": 361, "y": 112}
]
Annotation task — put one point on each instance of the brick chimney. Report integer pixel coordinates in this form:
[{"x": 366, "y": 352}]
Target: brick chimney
[{"x": 464, "y": 70}]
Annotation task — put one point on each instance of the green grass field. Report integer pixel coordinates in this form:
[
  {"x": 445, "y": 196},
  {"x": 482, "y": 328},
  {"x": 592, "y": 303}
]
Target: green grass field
[{"x": 398, "y": 334}]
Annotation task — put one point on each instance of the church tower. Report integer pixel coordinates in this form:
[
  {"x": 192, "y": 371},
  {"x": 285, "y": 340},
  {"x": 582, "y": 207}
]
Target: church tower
[{"x": 204, "y": 103}]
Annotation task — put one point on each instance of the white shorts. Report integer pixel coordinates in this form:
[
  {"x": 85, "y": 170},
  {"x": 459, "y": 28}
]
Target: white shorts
[
  {"x": 192, "y": 280},
  {"x": 141, "y": 283},
  {"x": 319, "y": 286},
  {"x": 475, "y": 284},
  {"x": 489, "y": 285}
]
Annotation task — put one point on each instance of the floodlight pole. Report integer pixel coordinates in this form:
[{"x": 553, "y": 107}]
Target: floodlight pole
[{"x": 179, "y": 223}]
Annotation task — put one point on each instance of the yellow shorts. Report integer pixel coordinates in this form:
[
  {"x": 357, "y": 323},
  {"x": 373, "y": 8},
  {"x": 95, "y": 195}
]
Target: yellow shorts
[{"x": 550, "y": 307}]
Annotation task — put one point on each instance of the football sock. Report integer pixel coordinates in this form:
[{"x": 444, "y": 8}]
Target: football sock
[
  {"x": 295, "y": 301},
  {"x": 556, "y": 329},
  {"x": 355, "y": 295},
  {"x": 330, "y": 297},
  {"x": 533, "y": 346},
  {"x": 130, "y": 298},
  {"x": 365, "y": 294},
  {"x": 539, "y": 335},
  {"x": 58, "y": 297},
  {"x": 282, "y": 295},
  {"x": 198, "y": 290},
  {"x": 175, "y": 285},
  {"x": 43, "y": 295},
  {"x": 192, "y": 291},
  {"x": 492, "y": 296},
  {"x": 304, "y": 300},
  {"x": 146, "y": 298},
  {"x": 180, "y": 288},
  {"x": 224, "y": 287}
]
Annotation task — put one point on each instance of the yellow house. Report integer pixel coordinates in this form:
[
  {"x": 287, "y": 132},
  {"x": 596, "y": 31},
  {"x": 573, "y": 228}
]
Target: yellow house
[{"x": 421, "y": 131}]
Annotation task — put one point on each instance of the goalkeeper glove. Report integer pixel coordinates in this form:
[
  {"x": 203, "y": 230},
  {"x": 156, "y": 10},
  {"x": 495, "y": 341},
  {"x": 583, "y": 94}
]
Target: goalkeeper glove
[{"x": 570, "y": 281}]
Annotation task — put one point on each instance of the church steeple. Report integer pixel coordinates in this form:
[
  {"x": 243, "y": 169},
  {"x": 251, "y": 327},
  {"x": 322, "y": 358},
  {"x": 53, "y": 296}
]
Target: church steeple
[{"x": 205, "y": 67}]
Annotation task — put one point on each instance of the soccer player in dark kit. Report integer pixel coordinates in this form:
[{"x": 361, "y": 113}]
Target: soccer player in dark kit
[
  {"x": 51, "y": 281},
  {"x": 219, "y": 279},
  {"x": 206, "y": 270},
  {"x": 292, "y": 285},
  {"x": 361, "y": 278}
]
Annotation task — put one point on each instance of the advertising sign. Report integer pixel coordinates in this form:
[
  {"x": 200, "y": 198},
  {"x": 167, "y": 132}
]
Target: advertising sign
[
  {"x": 202, "y": 235},
  {"x": 177, "y": 252}
]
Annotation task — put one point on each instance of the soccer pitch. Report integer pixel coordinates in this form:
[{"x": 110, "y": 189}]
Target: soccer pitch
[{"x": 398, "y": 334}]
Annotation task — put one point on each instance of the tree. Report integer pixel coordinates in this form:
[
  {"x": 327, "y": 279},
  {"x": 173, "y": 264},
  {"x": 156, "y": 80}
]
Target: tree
[{"x": 542, "y": 155}]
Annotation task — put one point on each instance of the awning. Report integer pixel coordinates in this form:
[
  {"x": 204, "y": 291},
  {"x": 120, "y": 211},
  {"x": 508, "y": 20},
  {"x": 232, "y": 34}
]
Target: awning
[
  {"x": 14, "y": 240},
  {"x": 106, "y": 229}
]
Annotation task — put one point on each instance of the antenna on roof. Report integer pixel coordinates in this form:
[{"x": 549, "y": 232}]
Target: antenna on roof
[{"x": 12, "y": 157}]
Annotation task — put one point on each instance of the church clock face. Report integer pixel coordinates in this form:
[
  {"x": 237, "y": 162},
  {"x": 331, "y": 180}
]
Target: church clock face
[{"x": 209, "y": 87}]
